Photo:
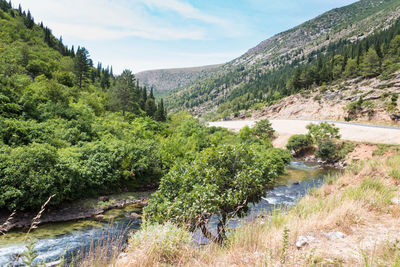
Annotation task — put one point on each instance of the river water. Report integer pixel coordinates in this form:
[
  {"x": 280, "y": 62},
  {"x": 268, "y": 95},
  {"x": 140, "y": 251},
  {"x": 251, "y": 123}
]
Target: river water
[{"x": 71, "y": 238}]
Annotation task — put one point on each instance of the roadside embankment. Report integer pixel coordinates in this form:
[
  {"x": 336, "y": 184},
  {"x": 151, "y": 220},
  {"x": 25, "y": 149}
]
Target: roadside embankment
[{"x": 349, "y": 131}]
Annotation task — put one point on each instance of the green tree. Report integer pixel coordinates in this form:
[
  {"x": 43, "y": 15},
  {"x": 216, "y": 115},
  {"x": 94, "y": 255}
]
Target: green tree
[
  {"x": 338, "y": 62},
  {"x": 371, "y": 64},
  {"x": 125, "y": 93},
  {"x": 323, "y": 131},
  {"x": 263, "y": 129},
  {"x": 81, "y": 65},
  {"x": 395, "y": 46},
  {"x": 160, "y": 113},
  {"x": 351, "y": 69},
  {"x": 219, "y": 181},
  {"x": 150, "y": 106},
  {"x": 299, "y": 144}
]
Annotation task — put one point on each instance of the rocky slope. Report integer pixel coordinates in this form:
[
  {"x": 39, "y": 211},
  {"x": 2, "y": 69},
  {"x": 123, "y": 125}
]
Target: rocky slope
[
  {"x": 348, "y": 23},
  {"x": 335, "y": 101},
  {"x": 165, "y": 80}
]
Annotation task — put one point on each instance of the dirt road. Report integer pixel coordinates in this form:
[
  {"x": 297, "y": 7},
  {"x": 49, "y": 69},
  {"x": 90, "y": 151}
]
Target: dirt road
[{"x": 349, "y": 131}]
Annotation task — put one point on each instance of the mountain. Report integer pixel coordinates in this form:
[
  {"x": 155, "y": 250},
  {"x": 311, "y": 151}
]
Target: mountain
[
  {"x": 165, "y": 80},
  {"x": 265, "y": 70}
]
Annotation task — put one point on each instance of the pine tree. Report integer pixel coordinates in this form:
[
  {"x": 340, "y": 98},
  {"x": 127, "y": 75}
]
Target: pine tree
[
  {"x": 125, "y": 94},
  {"x": 28, "y": 20},
  {"x": 81, "y": 65},
  {"x": 160, "y": 113},
  {"x": 48, "y": 37},
  {"x": 371, "y": 64},
  {"x": 150, "y": 106},
  {"x": 143, "y": 98}
]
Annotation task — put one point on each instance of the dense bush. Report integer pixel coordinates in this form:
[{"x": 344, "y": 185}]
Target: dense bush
[
  {"x": 74, "y": 130},
  {"x": 299, "y": 144},
  {"x": 327, "y": 150},
  {"x": 325, "y": 136},
  {"x": 263, "y": 129},
  {"x": 323, "y": 131},
  {"x": 218, "y": 181}
]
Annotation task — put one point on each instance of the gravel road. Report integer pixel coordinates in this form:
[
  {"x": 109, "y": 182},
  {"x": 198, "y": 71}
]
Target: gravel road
[{"x": 349, "y": 131}]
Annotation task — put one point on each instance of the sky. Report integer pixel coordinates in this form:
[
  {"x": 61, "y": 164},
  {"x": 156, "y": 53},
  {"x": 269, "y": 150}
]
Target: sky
[{"x": 156, "y": 34}]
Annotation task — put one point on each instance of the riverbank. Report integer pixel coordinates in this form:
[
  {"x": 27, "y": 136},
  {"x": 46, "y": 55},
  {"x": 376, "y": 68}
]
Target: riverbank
[
  {"x": 352, "y": 220},
  {"x": 79, "y": 210}
]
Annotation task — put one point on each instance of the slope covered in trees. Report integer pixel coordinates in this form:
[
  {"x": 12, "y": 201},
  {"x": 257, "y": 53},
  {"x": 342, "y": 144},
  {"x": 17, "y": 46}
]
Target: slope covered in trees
[
  {"x": 66, "y": 127},
  {"x": 75, "y": 131},
  {"x": 289, "y": 62}
]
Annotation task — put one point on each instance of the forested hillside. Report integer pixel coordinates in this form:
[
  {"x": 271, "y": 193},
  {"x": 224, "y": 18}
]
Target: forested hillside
[
  {"x": 66, "y": 127},
  {"x": 76, "y": 131},
  {"x": 356, "y": 40}
]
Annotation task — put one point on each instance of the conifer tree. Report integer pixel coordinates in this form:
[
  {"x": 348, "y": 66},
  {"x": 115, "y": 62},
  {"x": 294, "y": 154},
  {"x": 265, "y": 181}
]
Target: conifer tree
[
  {"x": 150, "y": 106},
  {"x": 124, "y": 93},
  {"x": 371, "y": 64},
  {"x": 81, "y": 65},
  {"x": 143, "y": 98},
  {"x": 160, "y": 113},
  {"x": 28, "y": 20}
]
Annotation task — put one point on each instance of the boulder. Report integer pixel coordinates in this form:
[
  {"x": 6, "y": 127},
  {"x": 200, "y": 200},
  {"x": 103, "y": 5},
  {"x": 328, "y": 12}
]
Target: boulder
[
  {"x": 99, "y": 217},
  {"x": 135, "y": 216},
  {"x": 103, "y": 198},
  {"x": 396, "y": 200},
  {"x": 334, "y": 235},
  {"x": 303, "y": 241}
]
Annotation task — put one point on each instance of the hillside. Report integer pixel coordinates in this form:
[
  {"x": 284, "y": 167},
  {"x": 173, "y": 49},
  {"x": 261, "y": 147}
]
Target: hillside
[
  {"x": 265, "y": 73},
  {"x": 64, "y": 124},
  {"x": 166, "y": 80}
]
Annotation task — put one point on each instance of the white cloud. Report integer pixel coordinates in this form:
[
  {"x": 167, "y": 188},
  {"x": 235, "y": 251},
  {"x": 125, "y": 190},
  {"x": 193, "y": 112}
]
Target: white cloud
[
  {"x": 185, "y": 10},
  {"x": 116, "y": 19},
  {"x": 99, "y": 33}
]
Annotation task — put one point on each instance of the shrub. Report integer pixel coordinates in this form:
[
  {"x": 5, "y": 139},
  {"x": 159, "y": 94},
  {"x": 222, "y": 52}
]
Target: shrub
[
  {"x": 219, "y": 181},
  {"x": 263, "y": 129},
  {"x": 299, "y": 144},
  {"x": 327, "y": 150},
  {"x": 323, "y": 131},
  {"x": 160, "y": 243}
]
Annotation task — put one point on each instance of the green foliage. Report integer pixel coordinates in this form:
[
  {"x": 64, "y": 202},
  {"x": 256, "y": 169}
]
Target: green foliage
[
  {"x": 82, "y": 65},
  {"x": 322, "y": 131},
  {"x": 299, "y": 144},
  {"x": 324, "y": 135},
  {"x": 327, "y": 150},
  {"x": 263, "y": 129},
  {"x": 218, "y": 181},
  {"x": 60, "y": 129},
  {"x": 371, "y": 64},
  {"x": 285, "y": 245},
  {"x": 30, "y": 254}
]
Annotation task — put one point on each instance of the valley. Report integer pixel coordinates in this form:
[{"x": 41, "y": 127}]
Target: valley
[{"x": 288, "y": 155}]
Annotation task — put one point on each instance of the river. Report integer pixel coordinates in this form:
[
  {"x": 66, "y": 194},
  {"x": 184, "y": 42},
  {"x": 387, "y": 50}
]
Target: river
[{"x": 71, "y": 238}]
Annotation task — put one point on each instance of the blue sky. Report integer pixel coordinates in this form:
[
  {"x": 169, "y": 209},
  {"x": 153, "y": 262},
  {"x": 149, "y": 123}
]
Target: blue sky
[{"x": 153, "y": 34}]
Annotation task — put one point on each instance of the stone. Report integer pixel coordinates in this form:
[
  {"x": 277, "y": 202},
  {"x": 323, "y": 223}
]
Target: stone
[
  {"x": 334, "y": 235},
  {"x": 304, "y": 240},
  {"x": 135, "y": 216},
  {"x": 99, "y": 217},
  {"x": 104, "y": 198},
  {"x": 396, "y": 200}
]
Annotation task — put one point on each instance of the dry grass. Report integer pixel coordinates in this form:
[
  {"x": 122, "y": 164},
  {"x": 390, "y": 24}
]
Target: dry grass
[{"x": 358, "y": 203}]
